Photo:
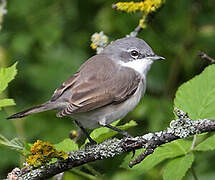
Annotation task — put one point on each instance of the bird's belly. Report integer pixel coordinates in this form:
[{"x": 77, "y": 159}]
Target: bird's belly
[{"x": 109, "y": 113}]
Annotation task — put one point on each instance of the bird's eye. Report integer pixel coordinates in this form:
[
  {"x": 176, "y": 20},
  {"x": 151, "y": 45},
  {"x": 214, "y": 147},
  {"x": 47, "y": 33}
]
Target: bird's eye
[{"x": 134, "y": 53}]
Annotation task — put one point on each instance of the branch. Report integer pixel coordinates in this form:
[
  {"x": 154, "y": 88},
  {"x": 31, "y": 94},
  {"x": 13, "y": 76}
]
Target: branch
[
  {"x": 206, "y": 57},
  {"x": 180, "y": 128},
  {"x": 136, "y": 31}
]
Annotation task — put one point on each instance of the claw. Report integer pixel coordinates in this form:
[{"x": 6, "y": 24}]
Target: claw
[
  {"x": 133, "y": 153},
  {"x": 90, "y": 144}
]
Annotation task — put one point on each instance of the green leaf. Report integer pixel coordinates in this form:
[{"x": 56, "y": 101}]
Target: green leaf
[
  {"x": 196, "y": 97},
  {"x": 177, "y": 168},
  {"x": 7, "y": 75},
  {"x": 167, "y": 151},
  {"x": 103, "y": 133},
  {"x": 67, "y": 145},
  {"x": 6, "y": 102},
  {"x": 15, "y": 144},
  {"x": 27, "y": 149},
  {"x": 102, "y": 130},
  {"x": 206, "y": 145}
]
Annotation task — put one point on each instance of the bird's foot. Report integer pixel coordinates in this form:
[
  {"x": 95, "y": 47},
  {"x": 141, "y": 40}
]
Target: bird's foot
[{"x": 90, "y": 144}]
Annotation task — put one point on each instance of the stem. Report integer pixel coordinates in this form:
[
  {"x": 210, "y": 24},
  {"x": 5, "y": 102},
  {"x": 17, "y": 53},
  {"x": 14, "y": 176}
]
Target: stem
[
  {"x": 83, "y": 174},
  {"x": 194, "y": 173},
  {"x": 92, "y": 170},
  {"x": 205, "y": 56},
  {"x": 194, "y": 142}
]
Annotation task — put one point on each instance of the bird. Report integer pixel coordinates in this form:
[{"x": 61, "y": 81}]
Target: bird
[{"x": 105, "y": 88}]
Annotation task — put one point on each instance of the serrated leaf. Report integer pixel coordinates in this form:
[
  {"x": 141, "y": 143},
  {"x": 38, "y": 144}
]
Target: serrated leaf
[
  {"x": 206, "y": 145},
  {"x": 177, "y": 168},
  {"x": 15, "y": 144},
  {"x": 167, "y": 151},
  {"x": 7, "y": 75},
  {"x": 103, "y": 133},
  {"x": 6, "y": 102},
  {"x": 67, "y": 145},
  {"x": 196, "y": 97}
]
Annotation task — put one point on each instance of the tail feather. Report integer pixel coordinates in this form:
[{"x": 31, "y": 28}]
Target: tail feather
[{"x": 36, "y": 109}]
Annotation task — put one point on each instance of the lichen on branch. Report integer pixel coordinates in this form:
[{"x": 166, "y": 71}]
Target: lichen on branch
[
  {"x": 42, "y": 153},
  {"x": 183, "y": 127},
  {"x": 145, "y": 7},
  {"x": 99, "y": 41}
]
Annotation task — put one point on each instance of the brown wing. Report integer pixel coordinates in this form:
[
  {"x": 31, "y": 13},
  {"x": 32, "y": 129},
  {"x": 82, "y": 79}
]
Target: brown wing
[
  {"x": 98, "y": 82},
  {"x": 67, "y": 84}
]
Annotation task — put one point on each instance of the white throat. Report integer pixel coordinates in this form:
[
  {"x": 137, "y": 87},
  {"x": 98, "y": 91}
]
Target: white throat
[{"x": 140, "y": 65}]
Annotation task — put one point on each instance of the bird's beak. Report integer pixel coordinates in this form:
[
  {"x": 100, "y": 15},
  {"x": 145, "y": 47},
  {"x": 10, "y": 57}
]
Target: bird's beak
[{"x": 156, "y": 57}]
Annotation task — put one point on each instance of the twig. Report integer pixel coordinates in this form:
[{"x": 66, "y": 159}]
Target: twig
[
  {"x": 206, "y": 57},
  {"x": 193, "y": 143},
  {"x": 92, "y": 170},
  {"x": 194, "y": 173},
  {"x": 136, "y": 31},
  {"x": 180, "y": 128},
  {"x": 141, "y": 157},
  {"x": 83, "y": 174}
]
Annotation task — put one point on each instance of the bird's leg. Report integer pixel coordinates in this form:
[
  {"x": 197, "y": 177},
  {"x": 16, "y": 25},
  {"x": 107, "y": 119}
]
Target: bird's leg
[
  {"x": 124, "y": 133},
  {"x": 85, "y": 132}
]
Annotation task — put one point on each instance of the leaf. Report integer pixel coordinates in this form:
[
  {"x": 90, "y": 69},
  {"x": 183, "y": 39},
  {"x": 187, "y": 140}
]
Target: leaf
[
  {"x": 67, "y": 145},
  {"x": 196, "y": 97},
  {"x": 27, "y": 149},
  {"x": 103, "y": 133},
  {"x": 206, "y": 145},
  {"x": 7, "y": 75},
  {"x": 177, "y": 168},
  {"x": 15, "y": 144},
  {"x": 167, "y": 151},
  {"x": 102, "y": 130},
  {"x": 6, "y": 102}
]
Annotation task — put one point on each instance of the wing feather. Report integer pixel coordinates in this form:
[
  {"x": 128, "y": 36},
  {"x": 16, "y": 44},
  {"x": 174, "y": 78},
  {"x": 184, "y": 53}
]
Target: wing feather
[{"x": 98, "y": 82}]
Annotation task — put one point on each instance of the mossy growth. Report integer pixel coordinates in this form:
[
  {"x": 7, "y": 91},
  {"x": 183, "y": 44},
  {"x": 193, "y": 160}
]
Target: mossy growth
[
  {"x": 43, "y": 153},
  {"x": 145, "y": 7}
]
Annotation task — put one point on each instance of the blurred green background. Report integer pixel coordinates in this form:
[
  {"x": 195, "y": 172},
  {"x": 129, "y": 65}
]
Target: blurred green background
[{"x": 50, "y": 39}]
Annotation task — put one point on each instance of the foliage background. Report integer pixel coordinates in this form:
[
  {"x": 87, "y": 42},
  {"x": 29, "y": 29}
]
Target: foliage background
[{"x": 51, "y": 39}]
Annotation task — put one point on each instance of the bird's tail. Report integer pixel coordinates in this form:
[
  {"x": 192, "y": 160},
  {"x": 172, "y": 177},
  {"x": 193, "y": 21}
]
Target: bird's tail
[{"x": 43, "y": 107}]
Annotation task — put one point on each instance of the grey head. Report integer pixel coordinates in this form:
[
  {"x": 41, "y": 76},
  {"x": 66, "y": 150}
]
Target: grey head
[{"x": 132, "y": 52}]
